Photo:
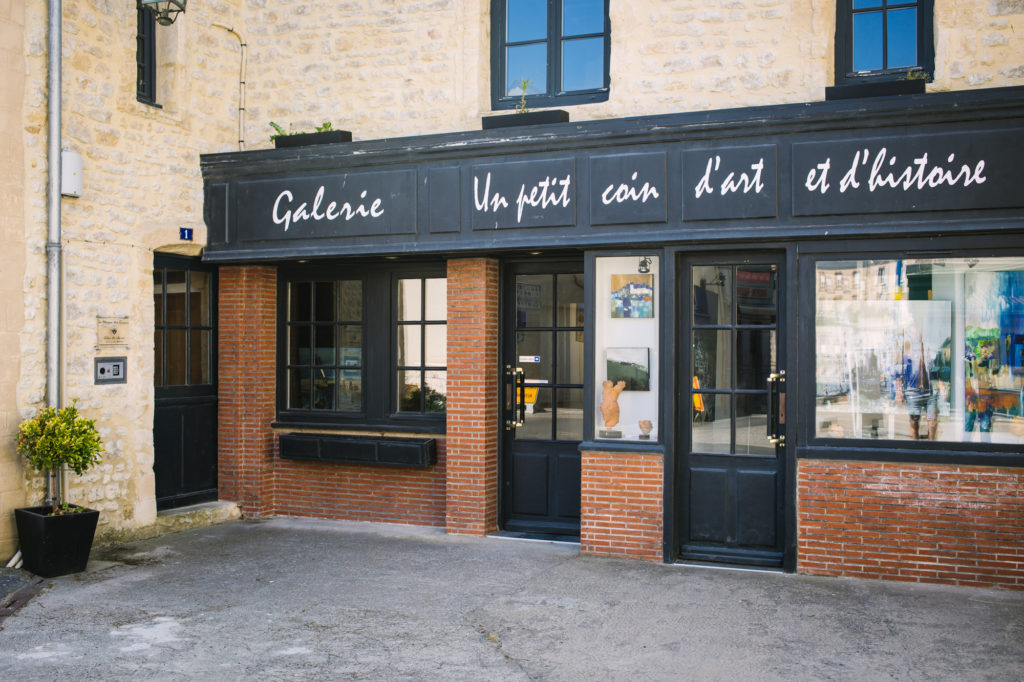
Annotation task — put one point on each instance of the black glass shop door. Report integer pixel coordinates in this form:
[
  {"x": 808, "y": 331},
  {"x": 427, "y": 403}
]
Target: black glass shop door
[
  {"x": 542, "y": 400},
  {"x": 732, "y": 419}
]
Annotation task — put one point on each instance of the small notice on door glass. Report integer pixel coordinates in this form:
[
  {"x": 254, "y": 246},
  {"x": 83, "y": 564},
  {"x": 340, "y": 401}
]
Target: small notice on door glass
[{"x": 529, "y": 359}]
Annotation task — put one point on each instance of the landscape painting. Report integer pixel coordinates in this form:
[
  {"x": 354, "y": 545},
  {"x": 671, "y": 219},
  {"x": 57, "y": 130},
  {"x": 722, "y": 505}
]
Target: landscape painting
[{"x": 632, "y": 365}]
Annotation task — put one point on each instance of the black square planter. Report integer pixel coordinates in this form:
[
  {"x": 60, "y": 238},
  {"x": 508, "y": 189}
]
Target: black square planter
[
  {"x": 309, "y": 139},
  {"x": 530, "y": 118},
  {"x": 55, "y": 545}
]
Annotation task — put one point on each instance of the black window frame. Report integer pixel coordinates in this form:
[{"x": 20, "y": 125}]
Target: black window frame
[
  {"x": 553, "y": 96},
  {"x": 162, "y": 263},
  {"x": 812, "y": 446},
  {"x": 903, "y": 80},
  {"x": 379, "y": 409},
  {"x": 145, "y": 55}
]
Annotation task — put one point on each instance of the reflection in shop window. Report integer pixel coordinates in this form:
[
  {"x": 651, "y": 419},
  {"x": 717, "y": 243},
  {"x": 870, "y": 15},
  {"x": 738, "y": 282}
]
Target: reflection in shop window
[{"x": 928, "y": 349}]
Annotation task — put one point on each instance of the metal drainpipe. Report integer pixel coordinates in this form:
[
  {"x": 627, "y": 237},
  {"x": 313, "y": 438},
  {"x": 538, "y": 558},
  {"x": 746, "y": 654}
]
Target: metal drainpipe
[
  {"x": 54, "y": 299},
  {"x": 241, "y": 86}
]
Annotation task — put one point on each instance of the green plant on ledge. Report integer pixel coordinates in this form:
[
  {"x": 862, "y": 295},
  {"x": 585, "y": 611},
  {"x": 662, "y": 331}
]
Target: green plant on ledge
[
  {"x": 521, "y": 108},
  {"x": 55, "y": 438},
  {"x": 324, "y": 127}
]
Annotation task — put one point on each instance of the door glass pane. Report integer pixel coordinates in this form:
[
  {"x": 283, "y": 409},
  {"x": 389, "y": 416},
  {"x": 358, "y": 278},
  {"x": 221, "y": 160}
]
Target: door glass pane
[
  {"x": 351, "y": 341},
  {"x": 436, "y": 298},
  {"x": 533, "y": 301},
  {"x": 175, "y": 301},
  {"x": 712, "y": 294},
  {"x": 527, "y": 62},
  {"x": 436, "y": 346},
  {"x": 711, "y": 427},
  {"x": 350, "y": 390},
  {"x": 323, "y": 352},
  {"x": 298, "y": 389},
  {"x": 177, "y": 372},
  {"x": 754, "y": 357},
  {"x": 410, "y": 300},
  {"x": 570, "y": 357},
  {"x": 300, "y": 301},
  {"x": 325, "y": 303},
  {"x": 570, "y": 300},
  {"x": 158, "y": 296},
  {"x": 199, "y": 288},
  {"x": 867, "y": 41},
  {"x": 199, "y": 357},
  {"x": 569, "y": 416},
  {"x": 409, "y": 345},
  {"x": 526, "y": 20},
  {"x": 537, "y": 421},
  {"x": 299, "y": 341},
  {"x": 436, "y": 398},
  {"x": 752, "y": 425},
  {"x": 158, "y": 358},
  {"x": 533, "y": 354},
  {"x": 582, "y": 64},
  {"x": 324, "y": 389},
  {"x": 350, "y": 297},
  {"x": 580, "y": 17},
  {"x": 756, "y": 288},
  {"x": 711, "y": 359},
  {"x": 901, "y": 32}
]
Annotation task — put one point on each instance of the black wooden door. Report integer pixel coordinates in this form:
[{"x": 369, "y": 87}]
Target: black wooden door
[
  {"x": 185, "y": 386},
  {"x": 732, "y": 420},
  {"x": 543, "y": 399}
]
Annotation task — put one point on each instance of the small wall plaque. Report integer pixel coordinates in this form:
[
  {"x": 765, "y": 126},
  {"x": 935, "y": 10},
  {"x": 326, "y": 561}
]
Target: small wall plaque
[{"x": 111, "y": 331}]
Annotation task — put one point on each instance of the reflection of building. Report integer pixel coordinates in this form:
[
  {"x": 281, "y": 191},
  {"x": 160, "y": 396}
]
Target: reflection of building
[{"x": 339, "y": 307}]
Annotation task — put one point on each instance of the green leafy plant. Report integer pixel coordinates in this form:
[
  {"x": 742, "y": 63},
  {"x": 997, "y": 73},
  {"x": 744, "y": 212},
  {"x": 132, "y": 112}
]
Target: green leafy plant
[
  {"x": 279, "y": 131},
  {"x": 521, "y": 108},
  {"x": 55, "y": 438}
]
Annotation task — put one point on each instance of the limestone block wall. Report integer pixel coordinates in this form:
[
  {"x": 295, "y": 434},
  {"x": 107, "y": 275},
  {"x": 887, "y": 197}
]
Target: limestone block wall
[{"x": 12, "y": 265}]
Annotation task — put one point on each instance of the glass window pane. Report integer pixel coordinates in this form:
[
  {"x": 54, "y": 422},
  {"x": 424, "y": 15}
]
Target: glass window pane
[
  {"x": 300, "y": 302},
  {"x": 410, "y": 299},
  {"x": 533, "y": 301},
  {"x": 867, "y": 41},
  {"x": 901, "y": 34},
  {"x": 199, "y": 288},
  {"x": 537, "y": 421},
  {"x": 323, "y": 352},
  {"x": 866, "y": 4},
  {"x": 175, "y": 301},
  {"x": 436, "y": 398},
  {"x": 711, "y": 359},
  {"x": 199, "y": 357},
  {"x": 350, "y": 390},
  {"x": 926, "y": 350},
  {"x": 409, "y": 391},
  {"x": 158, "y": 359},
  {"x": 526, "y": 62},
  {"x": 436, "y": 299},
  {"x": 569, "y": 415},
  {"x": 436, "y": 345},
  {"x": 299, "y": 341},
  {"x": 755, "y": 294},
  {"x": 325, "y": 304},
  {"x": 580, "y": 17},
  {"x": 533, "y": 354},
  {"x": 570, "y": 357},
  {"x": 350, "y": 296},
  {"x": 324, "y": 389},
  {"x": 711, "y": 427},
  {"x": 755, "y": 357},
  {"x": 409, "y": 346},
  {"x": 712, "y": 294},
  {"x": 570, "y": 300},
  {"x": 158, "y": 297},
  {"x": 752, "y": 425},
  {"x": 526, "y": 20},
  {"x": 582, "y": 64},
  {"x": 351, "y": 342},
  {"x": 177, "y": 372},
  {"x": 298, "y": 389},
  {"x": 176, "y": 277}
]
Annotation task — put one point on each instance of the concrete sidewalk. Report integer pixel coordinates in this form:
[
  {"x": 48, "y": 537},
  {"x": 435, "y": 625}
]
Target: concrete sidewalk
[{"x": 297, "y": 599}]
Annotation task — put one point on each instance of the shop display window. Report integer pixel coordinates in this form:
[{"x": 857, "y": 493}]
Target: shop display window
[
  {"x": 920, "y": 349},
  {"x": 626, "y": 348}
]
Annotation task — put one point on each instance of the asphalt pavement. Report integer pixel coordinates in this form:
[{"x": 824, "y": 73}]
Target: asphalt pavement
[{"x": 300, "y": 599}]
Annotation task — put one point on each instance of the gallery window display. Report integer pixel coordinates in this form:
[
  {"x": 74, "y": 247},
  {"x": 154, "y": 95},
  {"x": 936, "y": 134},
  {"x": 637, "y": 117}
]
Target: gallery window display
[
  {"x": 626, "y": 348},
  {"x": 920, "y": 349}
]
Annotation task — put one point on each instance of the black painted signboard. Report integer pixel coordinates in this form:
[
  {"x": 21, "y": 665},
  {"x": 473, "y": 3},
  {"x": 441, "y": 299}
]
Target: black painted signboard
[
  {"x": 734, "y": 182},
  {"x": 540, "y": 193},
  {"x": 628, "y": 188}
]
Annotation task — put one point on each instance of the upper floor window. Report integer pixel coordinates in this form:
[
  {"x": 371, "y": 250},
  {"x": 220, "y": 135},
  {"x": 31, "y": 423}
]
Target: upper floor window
[
  {"x": 558, "y": 48},
  {"x": 883, "y": 42},
  {"x": 145, "y": 56}
]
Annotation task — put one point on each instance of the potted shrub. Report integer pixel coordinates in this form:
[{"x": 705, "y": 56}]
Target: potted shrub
[
  {"x": 56, "y": 539},
  {"x": 325, "y": 134}
]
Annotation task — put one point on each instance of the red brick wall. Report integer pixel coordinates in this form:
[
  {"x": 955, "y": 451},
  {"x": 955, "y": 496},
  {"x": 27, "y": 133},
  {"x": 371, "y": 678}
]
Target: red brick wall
[
  {"x": 621, "y": 505},
  {"x": 246, "y": 363},
  {"x": 473, "y": 392},
  {"x": 919, "y": 523}
]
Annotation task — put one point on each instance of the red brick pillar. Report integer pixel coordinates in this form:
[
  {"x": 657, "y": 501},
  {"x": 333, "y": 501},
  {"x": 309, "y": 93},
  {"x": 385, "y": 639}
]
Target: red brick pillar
[
  {"x": 246, "y": 365},
  {"x": 621, "y": 504},
  {"x": 473, "y": 391}
]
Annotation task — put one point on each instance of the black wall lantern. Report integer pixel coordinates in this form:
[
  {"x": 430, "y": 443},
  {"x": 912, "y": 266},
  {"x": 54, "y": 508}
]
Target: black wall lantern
[{"x": 165, "y": 11}]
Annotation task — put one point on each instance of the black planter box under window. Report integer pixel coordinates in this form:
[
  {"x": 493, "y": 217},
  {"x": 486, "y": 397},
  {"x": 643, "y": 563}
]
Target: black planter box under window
[
  {"x": 530, "y": 118},
  {"x": 413, "y": 452},
  {"x": 309, "y": 139}
]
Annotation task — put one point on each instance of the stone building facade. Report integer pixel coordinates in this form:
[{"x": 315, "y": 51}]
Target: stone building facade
[{"x": 383, "y": 70}]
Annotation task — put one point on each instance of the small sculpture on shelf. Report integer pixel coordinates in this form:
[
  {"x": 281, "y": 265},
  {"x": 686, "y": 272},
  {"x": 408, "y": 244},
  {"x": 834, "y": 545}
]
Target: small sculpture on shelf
[
  {"x": 610, "y": 408},
  {"x": 645, "y": 429}
]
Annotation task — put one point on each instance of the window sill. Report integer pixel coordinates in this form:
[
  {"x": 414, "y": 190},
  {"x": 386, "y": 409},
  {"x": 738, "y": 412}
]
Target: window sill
[
  {"x": 876, "y": 89},
  {"x": 149, "y": 103}
]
